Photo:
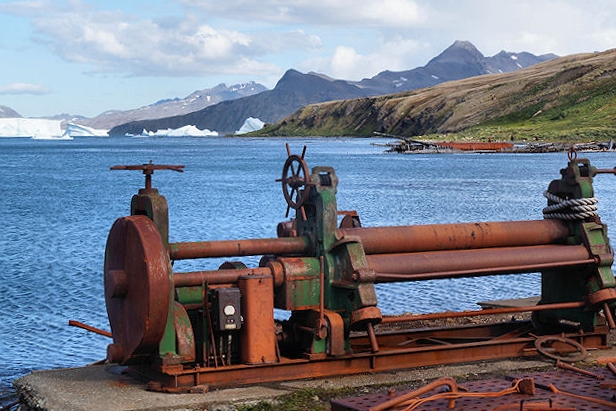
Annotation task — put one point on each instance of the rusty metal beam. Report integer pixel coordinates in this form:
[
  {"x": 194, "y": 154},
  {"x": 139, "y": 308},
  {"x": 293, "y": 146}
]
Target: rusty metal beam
[
  {"x": 384, "y": 240},
  {"x": 393, "y": 355},
  {"x": 477, "y": 262}
]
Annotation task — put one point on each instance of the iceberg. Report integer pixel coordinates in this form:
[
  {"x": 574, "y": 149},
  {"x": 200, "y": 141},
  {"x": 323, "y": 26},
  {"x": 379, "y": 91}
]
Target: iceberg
[
  {"x": 37, "y": 128},
  {"x": 186, "y": 131},
  {"x": 250, "y": 124},
  {"x": 77, "y": 130}
]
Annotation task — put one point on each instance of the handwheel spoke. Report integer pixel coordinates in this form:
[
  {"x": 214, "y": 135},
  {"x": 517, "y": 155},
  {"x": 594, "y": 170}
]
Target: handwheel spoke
[
  {"x": 294, "y": 194},
  {"x": 293, "y": 172}
]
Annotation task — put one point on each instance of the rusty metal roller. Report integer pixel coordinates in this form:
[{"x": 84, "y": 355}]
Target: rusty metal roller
[
  {"x": 476, "y": 262},
  {"x": 385, "y": 240}
]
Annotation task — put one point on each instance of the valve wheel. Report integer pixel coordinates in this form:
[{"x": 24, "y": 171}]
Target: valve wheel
[
  {"x": 294, "y": 178},
  {"x": 138, "y": 288}
]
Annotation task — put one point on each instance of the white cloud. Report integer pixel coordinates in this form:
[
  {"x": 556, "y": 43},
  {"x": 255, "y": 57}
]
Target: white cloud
[
  {"x": 116, "y": 42},
  {"x": 549, "y": 26},
  {"x": 390, "y": 13},
  {"x": 347, "y": 63},
  {"x": 205, "y": 42},
  {"x": 344, "y": 39},
  {"x": 24, "y": 8},
  {"x": 24, "y": 88},
  {"x": 286, "y": 42}
]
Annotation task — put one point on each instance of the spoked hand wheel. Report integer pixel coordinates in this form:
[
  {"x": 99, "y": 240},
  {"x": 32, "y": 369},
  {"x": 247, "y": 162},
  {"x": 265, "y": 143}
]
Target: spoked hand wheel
[{"x": 295, "y": 181}]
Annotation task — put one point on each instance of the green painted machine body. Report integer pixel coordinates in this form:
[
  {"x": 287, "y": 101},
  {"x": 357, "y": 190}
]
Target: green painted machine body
[
  {"x": 333, "y": 281},
  {"x": 595, "y": 282}
]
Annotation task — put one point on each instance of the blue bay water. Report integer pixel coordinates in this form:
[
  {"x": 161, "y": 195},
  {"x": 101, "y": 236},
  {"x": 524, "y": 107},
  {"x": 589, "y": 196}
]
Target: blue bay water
[{"x": 58, "y": 200}]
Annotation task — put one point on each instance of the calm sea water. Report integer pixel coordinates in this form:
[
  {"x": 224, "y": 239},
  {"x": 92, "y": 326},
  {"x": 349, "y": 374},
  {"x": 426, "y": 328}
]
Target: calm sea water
[{"x": 58, "y": 200}]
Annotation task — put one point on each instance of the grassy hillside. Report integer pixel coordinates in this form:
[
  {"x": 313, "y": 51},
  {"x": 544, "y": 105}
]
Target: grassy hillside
[{"x": 571, "y": 98}]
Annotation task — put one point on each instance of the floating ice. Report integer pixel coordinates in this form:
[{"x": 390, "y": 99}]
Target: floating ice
[
  {"x": 250, "y": 124},
  {"x": 77, "y": 130},
  {"x": 186, "y": 131},
  {"x": 36, "y": 128}
]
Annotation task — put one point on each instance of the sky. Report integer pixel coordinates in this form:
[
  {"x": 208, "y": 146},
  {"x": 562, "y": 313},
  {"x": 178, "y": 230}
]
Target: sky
[{"x": 84, "y": 57}]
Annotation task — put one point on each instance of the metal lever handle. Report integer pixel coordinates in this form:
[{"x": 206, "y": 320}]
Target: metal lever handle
[{"x": 148, "y": 170}]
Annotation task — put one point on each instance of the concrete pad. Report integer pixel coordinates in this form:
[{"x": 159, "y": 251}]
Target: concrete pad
[{"x": 104, "y": 388}]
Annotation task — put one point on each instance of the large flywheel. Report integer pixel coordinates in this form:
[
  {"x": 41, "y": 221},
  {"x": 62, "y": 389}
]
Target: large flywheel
[{"x": 138, "y": 287}]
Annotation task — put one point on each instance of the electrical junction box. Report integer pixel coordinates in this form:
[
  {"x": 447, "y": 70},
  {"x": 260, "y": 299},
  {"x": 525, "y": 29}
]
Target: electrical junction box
[{"x": 226, "y": 309}]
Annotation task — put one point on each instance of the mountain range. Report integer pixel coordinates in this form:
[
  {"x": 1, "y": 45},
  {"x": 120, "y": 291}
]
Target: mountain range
[
  {"x": 7, "y": 112},
  {"x": 162, "y": 108},
  {"x": 460, "y": 60},
  {"x": 225, "y": 108},
  {"x": 295, "y": 90},
  {"x": 570, "y": 98},
  {"x": 172, "y": 107}
]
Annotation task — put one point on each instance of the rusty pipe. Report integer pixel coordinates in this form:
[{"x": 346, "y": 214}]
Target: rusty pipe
[
  {"x": 239, "y": 248},
  {"x": 605, "y": 171},
  {"x": 611, "y": 367},
  {"x": 599, "y": 401},
  {"x": 397, "y": 401},
  {"x": 406, "y": 239},
  {"x": 197, "y": 278},
  {"x": 609, "y": 318},
  {"x": 491, "y": 311},
  {"x": 569, "y": 367},
  {"x": 380, "y": 240},
  {"x": 74, "y": 323},
  {"x": 472, "y": 263},
  {"x": 374, "y": 343}
]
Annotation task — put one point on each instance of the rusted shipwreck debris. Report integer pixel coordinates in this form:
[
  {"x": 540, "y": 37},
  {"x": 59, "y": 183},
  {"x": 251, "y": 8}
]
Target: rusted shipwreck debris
[
  {"x": 408, "y": 145},
  {"x": 411, "y": 146}
]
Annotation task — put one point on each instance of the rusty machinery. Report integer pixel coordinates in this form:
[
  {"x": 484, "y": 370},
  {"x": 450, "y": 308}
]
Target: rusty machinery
[{"x": 217, "y": 327}]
